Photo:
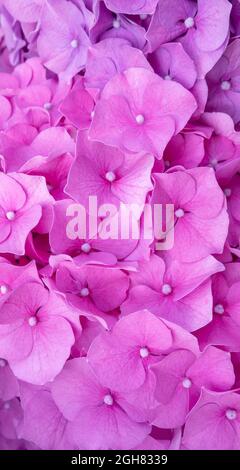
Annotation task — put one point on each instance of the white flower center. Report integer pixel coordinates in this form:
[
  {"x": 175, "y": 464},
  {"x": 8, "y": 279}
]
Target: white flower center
[
  {"x": 92, "y": 114},
  {"x": 143, "y": 16},
  {"x": 110, "y": 176},
  {"x": 213, "y": 162},
  {"x": 167, "y": 77},
  {"x": 231, "y": 414},
  {"x": 32, "y": 321},
  {"x": 85, "y": 247},
  {"x": 179, "y": 213},
  {"x": 10, "y": 215},
  {"x": 189, "y": 22},
  {"x": 139, "y": 119},
  {"x": 227, "y": 192},
  {"x": 84, "y": 292},
  {"x": 225, "y": 85},
  {"x": 3, "y": 289},
  {"x": 108, "y": 400},
  {"x": 3, "y": 363},
  {"x": 144, "y": 352},
  {"x": 74, "y": 43},
  {"x": 219, "y": 309},
  {"x": 116, "y": 24},
  {"x": 47, "y": 106},
  {"x": 166, "y": 289},
  {"x": 186, "y": 383}
]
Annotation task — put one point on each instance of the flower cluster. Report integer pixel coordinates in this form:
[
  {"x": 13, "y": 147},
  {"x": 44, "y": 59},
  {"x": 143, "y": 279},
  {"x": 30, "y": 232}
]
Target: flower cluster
[{"x": 108, "y": 343}]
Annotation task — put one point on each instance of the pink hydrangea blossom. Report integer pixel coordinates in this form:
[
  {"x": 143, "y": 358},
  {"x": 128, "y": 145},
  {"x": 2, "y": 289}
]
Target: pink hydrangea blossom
[
  {"x": 185, "y": 149},
  {"x": 170, "y": 61},
  {"x": 68, "y": 51},
  {"x": 51, "y": 431},
  {"x": 98, "y": 416},
  {"x": 192, "y": 23},
  {"x": 112, "y": 176},
  {"x": 214, "y": 422},
  {"x": 224, "y": 329},
  {"x": 144, "y": 118},
  {"x": 108, "y": 25},
  {"x": 180, "y": 377},
  {"x": 122, "y": 357},
  {"x": 119, "y": 225},
  {"x": 110, "y": 57},
  {"x": 201, "y": 223},
  {"x": 35, "y": 319},
  {"x": 179, "y": 292},
  {"x": 21, "y": 208},
  {"x": 223, "y": 81},
  {"x": 92, "y": 288}
]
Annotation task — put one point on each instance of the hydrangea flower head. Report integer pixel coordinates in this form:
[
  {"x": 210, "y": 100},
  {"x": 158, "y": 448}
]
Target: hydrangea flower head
[{"x": 119, "y": 225}]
